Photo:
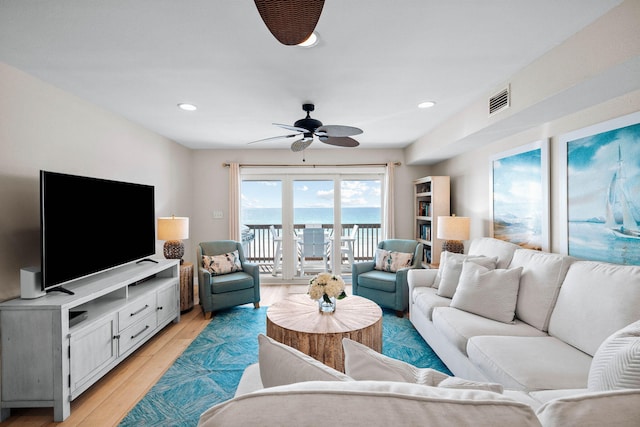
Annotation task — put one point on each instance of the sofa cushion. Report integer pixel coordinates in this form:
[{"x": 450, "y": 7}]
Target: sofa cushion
[
  {"x": 488, "y": 293},
  {"x": 363, "y": 363},
  {"x": 491, "y": 247},
  {"x": 426, "y": 299},
  {"x": 529, "y": 363},
  {"x": 596, "y": 299},
  {"x": 360, "y": 403},
  {"x": 457, "y": 326},
  {"x": 618, "y": 408},
  {"x": 222, "y": 264},
  {"x": 616, "y": 364},
  {"x": 451, "y": 267},
  {"x": 281, "y": 364},
  {"x": 542, "y": 275}
]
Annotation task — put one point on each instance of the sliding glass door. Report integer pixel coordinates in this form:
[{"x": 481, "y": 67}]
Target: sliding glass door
[{"x": 278, "y": 206}]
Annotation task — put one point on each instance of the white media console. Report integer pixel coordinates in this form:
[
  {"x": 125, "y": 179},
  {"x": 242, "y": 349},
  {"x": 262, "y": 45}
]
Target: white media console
[{"x": 49, "y": 359}]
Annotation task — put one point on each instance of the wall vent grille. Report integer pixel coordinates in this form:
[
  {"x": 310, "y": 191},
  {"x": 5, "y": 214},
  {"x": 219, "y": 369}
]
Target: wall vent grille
[{"x": 500, "y": 101}]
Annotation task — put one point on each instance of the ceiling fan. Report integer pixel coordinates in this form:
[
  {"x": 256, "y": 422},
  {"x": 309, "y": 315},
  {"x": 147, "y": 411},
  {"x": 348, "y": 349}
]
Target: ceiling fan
[{"x": 305, "y": 129}]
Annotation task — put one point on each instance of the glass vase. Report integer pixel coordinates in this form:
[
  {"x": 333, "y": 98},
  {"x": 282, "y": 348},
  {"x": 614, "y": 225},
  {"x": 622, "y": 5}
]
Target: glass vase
[{"x": 328, "y": 307}]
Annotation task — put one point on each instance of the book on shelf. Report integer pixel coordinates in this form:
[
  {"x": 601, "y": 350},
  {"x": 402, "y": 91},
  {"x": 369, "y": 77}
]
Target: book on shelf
[{"x": 424, "y": 208}]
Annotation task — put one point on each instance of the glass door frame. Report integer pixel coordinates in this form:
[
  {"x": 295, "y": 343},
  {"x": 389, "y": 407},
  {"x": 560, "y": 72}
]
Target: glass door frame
[{"x": 287, "y": 178}]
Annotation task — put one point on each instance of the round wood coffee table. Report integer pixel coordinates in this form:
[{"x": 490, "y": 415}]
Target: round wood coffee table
[{"x": 296, "y": 322}]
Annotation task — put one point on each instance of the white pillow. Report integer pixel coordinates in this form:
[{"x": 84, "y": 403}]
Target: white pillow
[
  {"x": 616, "y": 364},
  {"x": 364, "y": 363},
  {"x": 281, "y": 365},
  {"x": 451, "y": 268},
  {"x": 222, "y": 264},
  {"x": 488, "y": 293}
]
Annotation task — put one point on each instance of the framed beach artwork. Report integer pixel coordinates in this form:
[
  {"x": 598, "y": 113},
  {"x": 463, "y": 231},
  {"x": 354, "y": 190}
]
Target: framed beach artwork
[
  {"x": 520, "y": 195},
  {"x": 602, "y": 191}
]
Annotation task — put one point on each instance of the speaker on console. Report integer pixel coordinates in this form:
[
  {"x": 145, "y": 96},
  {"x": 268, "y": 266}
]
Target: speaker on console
[{"x": 31, "y": 283}]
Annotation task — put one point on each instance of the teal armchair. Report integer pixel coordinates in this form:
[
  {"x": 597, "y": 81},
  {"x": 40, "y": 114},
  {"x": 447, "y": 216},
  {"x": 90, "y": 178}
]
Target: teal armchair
[
  {"x": 222, "y": 291},
  {"x": 387, "y": 289}
]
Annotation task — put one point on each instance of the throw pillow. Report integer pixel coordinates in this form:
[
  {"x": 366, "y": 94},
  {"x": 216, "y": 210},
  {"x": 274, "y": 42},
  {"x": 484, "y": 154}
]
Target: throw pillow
[
  {"x": 281, "y": 365},
  {"x": 363, "y": 363},
  {"x": 451, "y": 267},
  {"x": 222, "y": 264},
  {"x": 616, "y": 364},
  {"x": 488, "y": 293},
  {"x": 392, "y": 261}
]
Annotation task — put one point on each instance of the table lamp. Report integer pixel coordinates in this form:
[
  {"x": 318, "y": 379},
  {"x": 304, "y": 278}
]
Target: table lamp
[
  {"x": 453, "y": 229},
  {"x": 173, "y": 230}
]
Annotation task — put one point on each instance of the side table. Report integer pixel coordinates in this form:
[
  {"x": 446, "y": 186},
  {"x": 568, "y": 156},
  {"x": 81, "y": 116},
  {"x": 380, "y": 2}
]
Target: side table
[{"x": 186, "y": 287}]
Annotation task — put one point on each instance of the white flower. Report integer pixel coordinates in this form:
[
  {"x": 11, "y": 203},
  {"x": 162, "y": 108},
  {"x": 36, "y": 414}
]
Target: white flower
[{"x": 326, "y": 284}]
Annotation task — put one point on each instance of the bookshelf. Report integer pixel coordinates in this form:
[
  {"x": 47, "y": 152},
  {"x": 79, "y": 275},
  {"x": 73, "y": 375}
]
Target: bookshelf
[{"x": 431, "y": 200}]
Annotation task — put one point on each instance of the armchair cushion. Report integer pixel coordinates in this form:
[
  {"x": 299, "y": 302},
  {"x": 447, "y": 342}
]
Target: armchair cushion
[
  {"x": 380, "y": 280},
  {"x": 231, "y": 282},
  {"x": 222, "y": 264}
]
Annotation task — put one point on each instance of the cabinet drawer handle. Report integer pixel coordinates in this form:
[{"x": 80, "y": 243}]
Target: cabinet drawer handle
[
  {"x": 116, "y": 337},
  {"x": 138, "y": 334},
  {"x": 140, "y": 311},
  {"x": 160, "y": 308}
]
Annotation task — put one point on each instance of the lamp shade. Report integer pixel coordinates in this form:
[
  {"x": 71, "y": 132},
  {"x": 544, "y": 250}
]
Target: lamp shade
[
  {"x": 173, "y": 228},
  {"x": 453, "y": 227}
]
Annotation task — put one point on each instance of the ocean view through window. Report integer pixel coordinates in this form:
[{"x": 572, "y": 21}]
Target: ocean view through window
[{"x": 275, "y": 211}]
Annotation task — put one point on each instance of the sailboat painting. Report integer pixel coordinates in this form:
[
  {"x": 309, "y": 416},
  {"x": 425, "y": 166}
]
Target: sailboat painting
[{"x": 603, "y": 196}]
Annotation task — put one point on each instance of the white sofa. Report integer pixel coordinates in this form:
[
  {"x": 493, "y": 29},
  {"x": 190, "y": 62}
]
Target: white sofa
[
  {"x": 564, "y": 310},
  {"x": 300, "y": 391}
]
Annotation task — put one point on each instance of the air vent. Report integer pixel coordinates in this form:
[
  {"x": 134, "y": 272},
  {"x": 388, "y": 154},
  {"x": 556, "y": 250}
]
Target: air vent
[{"x": 499, "y": 101}]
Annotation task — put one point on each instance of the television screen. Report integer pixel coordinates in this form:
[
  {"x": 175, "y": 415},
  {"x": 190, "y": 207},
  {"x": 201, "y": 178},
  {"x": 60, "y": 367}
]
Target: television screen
[{"x": 89, "y": 225}]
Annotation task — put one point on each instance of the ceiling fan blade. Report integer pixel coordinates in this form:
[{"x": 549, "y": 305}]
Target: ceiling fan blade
[
  {"x": 337, "y": 130},
  {"x": 274, "y": 138},
  {"x": 339, "y": 141},
  {"x": 289, "y": 127},
  {"x": 301, "y": 144}
]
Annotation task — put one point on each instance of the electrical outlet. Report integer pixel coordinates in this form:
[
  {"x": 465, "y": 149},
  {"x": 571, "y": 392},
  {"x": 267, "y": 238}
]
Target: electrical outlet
[{"x": 217, "y": 215}]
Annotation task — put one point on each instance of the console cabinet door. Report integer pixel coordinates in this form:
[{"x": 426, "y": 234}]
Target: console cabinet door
[
  {"x": 92, "y": 349},
  {"x": 167, "y": 304}
]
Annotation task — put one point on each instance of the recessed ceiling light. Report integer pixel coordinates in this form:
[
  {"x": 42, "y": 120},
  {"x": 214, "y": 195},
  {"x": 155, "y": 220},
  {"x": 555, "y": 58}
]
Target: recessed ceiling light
[
  {"x": 426, "y": 104},
  {"x": 187, "y": 107},
  {"x": 311, "y": 41}
]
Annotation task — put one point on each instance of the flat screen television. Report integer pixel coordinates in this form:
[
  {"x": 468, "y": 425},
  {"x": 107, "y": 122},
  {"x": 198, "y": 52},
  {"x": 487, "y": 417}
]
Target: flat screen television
[{"x": 89, "y": 225}]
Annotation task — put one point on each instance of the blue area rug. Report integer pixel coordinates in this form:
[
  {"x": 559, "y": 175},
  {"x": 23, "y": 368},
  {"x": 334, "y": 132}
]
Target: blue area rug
[{"x": 209, "y": 370}]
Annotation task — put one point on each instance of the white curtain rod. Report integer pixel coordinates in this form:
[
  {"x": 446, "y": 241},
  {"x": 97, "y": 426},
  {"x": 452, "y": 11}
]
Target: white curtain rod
[{"x": 351, "y": 165}]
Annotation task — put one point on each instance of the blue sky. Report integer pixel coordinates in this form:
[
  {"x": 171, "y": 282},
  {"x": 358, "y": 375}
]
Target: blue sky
[
  {"x": 307, "y": 194},
  {"x": 517, "y": 185}
]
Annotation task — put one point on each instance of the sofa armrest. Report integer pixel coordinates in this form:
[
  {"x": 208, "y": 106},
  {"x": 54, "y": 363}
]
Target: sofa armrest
[{"x": 420, "y": 277}]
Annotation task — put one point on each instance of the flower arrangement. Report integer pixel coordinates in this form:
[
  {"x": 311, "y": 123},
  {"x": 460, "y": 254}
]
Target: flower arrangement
[{"x": 326, "y": 286}]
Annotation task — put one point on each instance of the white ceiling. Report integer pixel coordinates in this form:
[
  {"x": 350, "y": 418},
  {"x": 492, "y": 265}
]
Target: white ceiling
[{"x": 375, "y": 62}]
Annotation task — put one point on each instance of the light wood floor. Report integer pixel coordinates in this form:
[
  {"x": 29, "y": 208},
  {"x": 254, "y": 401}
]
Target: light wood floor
[{"x": 108, "y": 401}]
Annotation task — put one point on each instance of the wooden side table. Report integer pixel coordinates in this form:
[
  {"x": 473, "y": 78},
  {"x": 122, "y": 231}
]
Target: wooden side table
[
  {"x": 296, "y": 322},
  {"x": 186, "y": 287}
]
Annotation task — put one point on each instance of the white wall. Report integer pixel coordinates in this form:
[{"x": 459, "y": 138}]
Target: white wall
[
  {"x": 42, "y": 127},
  {"x": 471, "y": 172},
  {"x": 211, "y": 183}
]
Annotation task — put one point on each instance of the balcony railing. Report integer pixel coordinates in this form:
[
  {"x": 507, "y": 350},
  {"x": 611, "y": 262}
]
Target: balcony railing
[{"x": 260, "y": 248}]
